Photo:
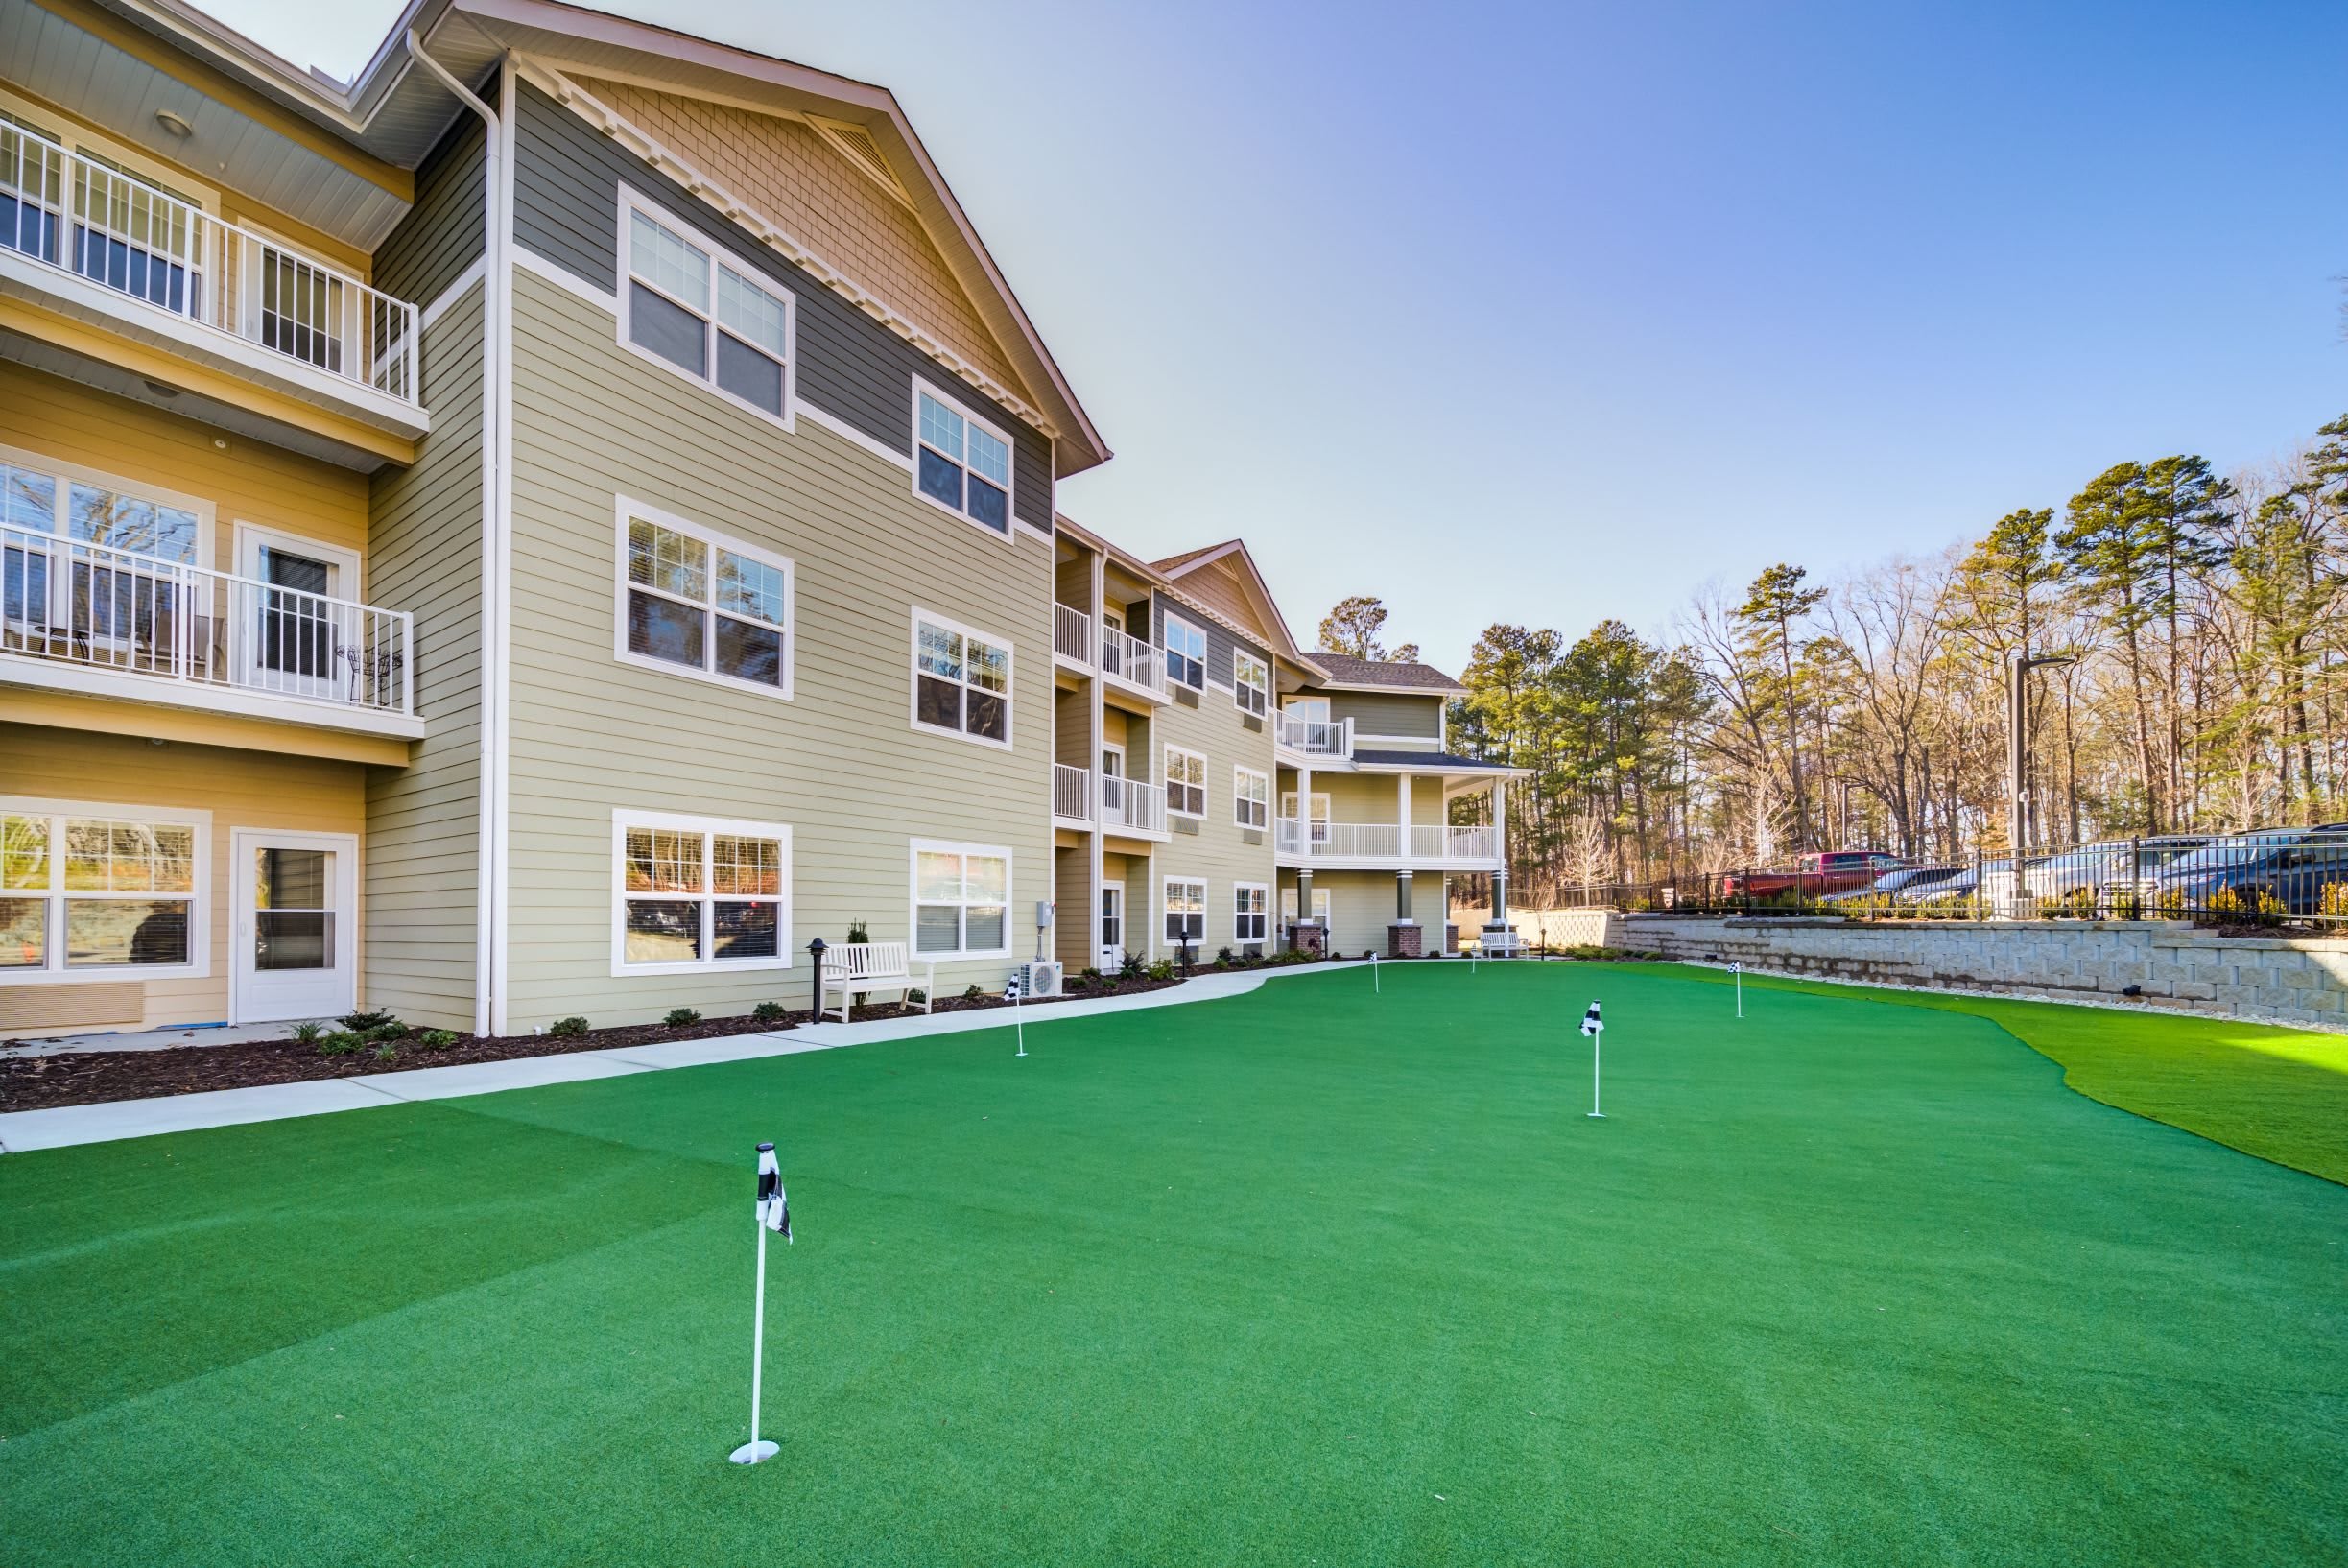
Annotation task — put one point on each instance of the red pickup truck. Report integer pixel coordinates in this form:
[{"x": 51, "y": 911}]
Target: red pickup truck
[{"x": 1812, "y": 876}]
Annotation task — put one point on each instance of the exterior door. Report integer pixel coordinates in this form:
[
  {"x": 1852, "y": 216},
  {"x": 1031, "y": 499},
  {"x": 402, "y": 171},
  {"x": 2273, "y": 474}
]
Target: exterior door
[
  {"x": 1112, "y": 926},
  {"x": 296, "y": 929},
  {"x": 297, "y": 634}
]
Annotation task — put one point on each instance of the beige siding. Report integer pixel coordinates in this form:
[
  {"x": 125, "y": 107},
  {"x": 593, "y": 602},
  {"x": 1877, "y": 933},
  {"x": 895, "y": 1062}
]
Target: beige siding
[
  {"x": 839, "y": 764},
  {"x": 1219, "y": 851},
  {"x": 424, "y": 819},
  {"x": 1387, "y": 713},
  {"x": 240, "y": 789},
  {"x": 1362, "y": 905}
]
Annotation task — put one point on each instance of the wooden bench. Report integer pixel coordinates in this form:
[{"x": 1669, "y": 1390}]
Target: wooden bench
[{"x": 855, "y": 969}]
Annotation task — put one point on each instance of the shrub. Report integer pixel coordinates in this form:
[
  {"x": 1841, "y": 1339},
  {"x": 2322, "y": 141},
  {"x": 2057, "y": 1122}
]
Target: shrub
[
  {"x": 859, "y": 932},
  {"x": 1162, "y": 969},
  {"x": 359, "y": 1023},
  {"x": 563, "y": 1029},
  {"x": 1129, "y": 964},
  {"x": 769, "y": 1012},
  {"x": 680, "y": 1017},
  {"x": 308, "y": 1034},
  {"x": 1081, "y": 982},
  {"x": 386, "y": 1051},
  {"x": 438, "y": 1039},
  {"x": 391, "y": 1028},
  {"x": 340, "y": 1043},
  {"x": 916, "y": 994},
  {"x": 1090, "y": 974},
  {"x": 2335, "y": 898},
  {"x": 972, "y": 993},
  {"x": 1223, "y": 956}
]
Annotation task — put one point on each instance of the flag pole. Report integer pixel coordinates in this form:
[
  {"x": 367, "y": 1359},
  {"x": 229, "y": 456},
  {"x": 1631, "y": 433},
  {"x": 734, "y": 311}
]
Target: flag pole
[
  {"x": 751, "y": 1452},
  {"x": 1019, "y": 1012},
  {"x": 1594, "y": 1025},
  {"x": 1377, "y": 987},
  {"x": 1738, "y": 970}
]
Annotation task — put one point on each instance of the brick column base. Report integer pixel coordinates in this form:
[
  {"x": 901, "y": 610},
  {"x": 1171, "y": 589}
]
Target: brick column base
[
  {"x": 1307, "y": 937},
  {"x": 1403, "y": 941}
]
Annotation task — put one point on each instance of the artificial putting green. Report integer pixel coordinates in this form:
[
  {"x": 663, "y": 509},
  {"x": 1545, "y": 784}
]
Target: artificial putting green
[{"x": 1310, "y": 1275}]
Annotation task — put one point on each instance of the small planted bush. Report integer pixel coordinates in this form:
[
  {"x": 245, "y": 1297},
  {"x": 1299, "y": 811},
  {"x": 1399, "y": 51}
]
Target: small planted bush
[
  {"x": 859, "y": 932},
  {"x": 308, "y": 1034},
  {"x": 916, "y": 994},
  {"x": 563, "y": 1029},
  {"x": 386, "y": 1051},
  {"x": 972, "y": 993},
  {"x": 439, "y": 1039},
  {"x": 340, "y": 1043},
  {"x": 391, "y": 1028},
  {"x": 769, "y": 1012},
  {"x": 680, "y": 1017},
  {"x": 1162, "y": 969},
  {"x": 359, "y": 1023}
]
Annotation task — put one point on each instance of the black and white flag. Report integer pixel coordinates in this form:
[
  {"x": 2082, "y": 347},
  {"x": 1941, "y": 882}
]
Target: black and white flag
[
  {"x": 1011, "y": 989},
  {"x": 773, "y": 1204},
  {"x": 1736, "y": 968},
  {"x": 1591, "y": 1023}
]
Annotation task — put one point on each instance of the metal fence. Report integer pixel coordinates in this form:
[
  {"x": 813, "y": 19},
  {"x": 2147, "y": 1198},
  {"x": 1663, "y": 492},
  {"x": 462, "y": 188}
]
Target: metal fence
[{"x": 2270, "y": 876}]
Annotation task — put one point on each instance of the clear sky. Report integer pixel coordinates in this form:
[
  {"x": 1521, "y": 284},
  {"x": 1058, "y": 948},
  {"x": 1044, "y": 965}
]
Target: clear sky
[{"x": 1546, "y": 313}]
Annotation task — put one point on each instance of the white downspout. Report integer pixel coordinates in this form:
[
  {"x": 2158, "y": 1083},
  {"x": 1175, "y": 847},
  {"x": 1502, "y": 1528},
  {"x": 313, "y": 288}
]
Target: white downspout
[{"x": 488, "y": 962}]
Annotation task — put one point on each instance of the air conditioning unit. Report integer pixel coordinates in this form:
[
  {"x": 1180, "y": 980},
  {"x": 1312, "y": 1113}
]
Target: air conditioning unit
[{"x": 1041, "y": 978}]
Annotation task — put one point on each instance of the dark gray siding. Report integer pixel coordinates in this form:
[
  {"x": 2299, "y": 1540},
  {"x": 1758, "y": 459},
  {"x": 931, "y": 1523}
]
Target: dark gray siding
[
  {"x": 1219, "y": 639},
  {"x": 567, "y": 178},
  {"x": 440, "y": 236}
]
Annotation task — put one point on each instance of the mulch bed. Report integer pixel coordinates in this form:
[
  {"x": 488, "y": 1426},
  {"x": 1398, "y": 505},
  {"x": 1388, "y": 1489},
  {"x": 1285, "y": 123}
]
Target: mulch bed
[{"x": 86, "y": 1077}]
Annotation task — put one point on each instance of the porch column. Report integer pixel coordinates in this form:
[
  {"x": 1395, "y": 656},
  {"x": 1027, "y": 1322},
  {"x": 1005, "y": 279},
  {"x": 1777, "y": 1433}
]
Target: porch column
[
  {"x": 1402, "y": 899},
  {"x": 1499, "y": 847},
  {"x": 1304, "y": 895},
  {"x": 1402, "y": 815}
]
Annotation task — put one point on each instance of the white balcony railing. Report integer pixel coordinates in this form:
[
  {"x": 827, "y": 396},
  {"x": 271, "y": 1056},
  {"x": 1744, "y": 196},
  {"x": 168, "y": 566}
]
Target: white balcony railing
[
  {"x": 1072, "y": 634},
  {"x": 1315, "y": 737},
  {"x": 1382, "y": 841},
  {"x": 67, "y": 601},
  {"x": 1072, "y": 793},
  {"x": 1130, "y": 804},
  {"x": 122, "y": 233},
  {"x": 1131, "y": 659}
]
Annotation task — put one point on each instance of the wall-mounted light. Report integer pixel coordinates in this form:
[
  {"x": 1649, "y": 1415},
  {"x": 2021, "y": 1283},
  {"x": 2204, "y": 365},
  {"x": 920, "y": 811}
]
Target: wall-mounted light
[
  {"x": 173, "y": 126},
  {"x": 161, "y": 388}
]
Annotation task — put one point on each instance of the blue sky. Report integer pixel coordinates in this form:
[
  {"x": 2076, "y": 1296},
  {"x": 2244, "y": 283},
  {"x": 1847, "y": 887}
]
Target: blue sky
[{"x": 1546, "y": 313}]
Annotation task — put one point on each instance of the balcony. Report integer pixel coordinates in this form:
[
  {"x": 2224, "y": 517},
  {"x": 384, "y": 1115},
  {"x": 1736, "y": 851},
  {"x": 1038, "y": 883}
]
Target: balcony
[
  {"x": 1133, "y": 808},
  {"x": 1072, "y": 794},
  {"x": 79, "y": 617},
  {"x": 1331, "y": 738},
  {"x": 88, "y": 240},
  {"x": 1072, "y": 636},
  {"x": 1133, "y": 664},
  {"x": 1385, "y": 843}
]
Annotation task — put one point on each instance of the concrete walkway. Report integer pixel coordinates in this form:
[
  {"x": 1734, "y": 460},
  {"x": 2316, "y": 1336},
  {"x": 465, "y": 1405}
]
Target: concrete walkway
[{"x": 63, "y": 1126}]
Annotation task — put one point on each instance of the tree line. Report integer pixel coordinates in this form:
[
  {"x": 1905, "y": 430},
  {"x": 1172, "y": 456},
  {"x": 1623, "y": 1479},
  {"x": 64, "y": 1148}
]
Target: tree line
[{"x": 2196, "y": 627}]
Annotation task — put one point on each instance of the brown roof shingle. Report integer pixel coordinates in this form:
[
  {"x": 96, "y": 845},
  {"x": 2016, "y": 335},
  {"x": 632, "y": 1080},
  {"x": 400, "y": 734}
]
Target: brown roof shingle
[{"x": 1346, "y": 670}]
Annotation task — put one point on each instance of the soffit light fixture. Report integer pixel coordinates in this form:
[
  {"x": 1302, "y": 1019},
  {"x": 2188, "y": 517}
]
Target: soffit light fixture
[{"x": 173, "y": 126}]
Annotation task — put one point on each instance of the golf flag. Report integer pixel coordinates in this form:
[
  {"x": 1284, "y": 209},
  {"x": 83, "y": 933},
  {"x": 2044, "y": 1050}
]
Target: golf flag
[
  {"x": 1736, "y": 968},
  {"x": 774, "y": 1203},
  {"x": 1591, "y": 1022}
]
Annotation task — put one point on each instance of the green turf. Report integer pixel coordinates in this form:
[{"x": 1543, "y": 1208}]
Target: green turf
[
  {"x": 2280, "y": 1094},
  {"x": 1307, "y": 1276}
]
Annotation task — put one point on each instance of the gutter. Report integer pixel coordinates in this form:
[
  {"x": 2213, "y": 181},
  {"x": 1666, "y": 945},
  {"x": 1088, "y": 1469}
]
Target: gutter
[{"x": 496, "y": 536}]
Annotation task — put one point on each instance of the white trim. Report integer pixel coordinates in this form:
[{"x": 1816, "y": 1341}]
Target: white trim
[
  {"x": 1168, "y": 621},
  {"x": 842, "y": 428},
  {"x": 345, "y": 906},
  {"x": 632, "y": 200},
  {"x": 1125, "y": 922},
  {"x": 69, "y": 134},
  {"x": 497, "y": 574},
  {"x": 1010, "y": 685},
  {"x": 71, "y": 473},
  {"x": 1238, "y": 653},
  {"x": 1167, "y": 753},
  {"x": 199, "y": 898},
  {"x": 707, "y": 899},
  {"x": 915, "y": 849},
  {"x": 346, "y": 579},
  {"x": 626, "y": 511},
  {"x": 129, "y": 686},
  {"x": 1108, "y": 747},
  {"x": 563, "y": 279},
  {"x": 1165, "y": 909},
  {"x": 1264, "y": 915},
  {"x": 447, "y": 298},
  {"x": 1010, "y": 461},
  {"x": 1241, "y": 772}
]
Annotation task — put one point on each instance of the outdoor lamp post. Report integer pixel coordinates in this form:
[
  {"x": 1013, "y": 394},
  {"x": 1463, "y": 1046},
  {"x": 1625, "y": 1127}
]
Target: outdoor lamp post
[
  {"x": 2018, "y": 747},
  {"x": 814, "y": 951}
]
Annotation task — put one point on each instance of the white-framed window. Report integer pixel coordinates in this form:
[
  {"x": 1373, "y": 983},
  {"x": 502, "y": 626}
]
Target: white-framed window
[
  {"x": 91, "y": 891},
  {"x": 1321, "y": 906},
  {"x": 1312, "y": 710},
  {"x": 1250, "y": 911},
  {"x": 694, "y": 894},
  {"x": 1185, "y": 651},
  {"x": 703, "y": 313},
  {"x": 961, "y": 462},
  {"x": 1185, "y": 910},
  {"x": 1251, "y": 792},
  {"x": 961, "y": 900},
  {"x": 1250, "y": 682},
  {"x": 693, "y": 601},
  {"x": 961, "y": 681},
  {"x": 1185, "y": 782},
  {"x": 1319, "y": 827}
]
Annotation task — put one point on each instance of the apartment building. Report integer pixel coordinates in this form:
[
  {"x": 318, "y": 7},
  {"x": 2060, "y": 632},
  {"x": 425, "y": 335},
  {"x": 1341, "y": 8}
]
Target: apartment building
[{"x": 556, "y": 523}]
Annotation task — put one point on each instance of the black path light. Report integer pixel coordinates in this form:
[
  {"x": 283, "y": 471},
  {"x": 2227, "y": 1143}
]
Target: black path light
[{"x": 814, "y": 951}]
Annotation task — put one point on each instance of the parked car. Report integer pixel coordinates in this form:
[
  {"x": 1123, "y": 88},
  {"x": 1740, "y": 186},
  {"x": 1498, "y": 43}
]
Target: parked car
[
  {"x": 1991, "y": 879},
  {"x": 2113, "y": 866},
  {"x": 2289, "y": 870},
  {"x": 1903, "y": 885},
  {"x": 1815, "y": 875}
]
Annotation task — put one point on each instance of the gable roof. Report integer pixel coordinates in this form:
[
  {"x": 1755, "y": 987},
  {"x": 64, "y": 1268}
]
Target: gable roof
[
  {"x": 1385, "y": 675},
  {"x": 1233, "y": 553},
  {"x": 398, "y": 111}
]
